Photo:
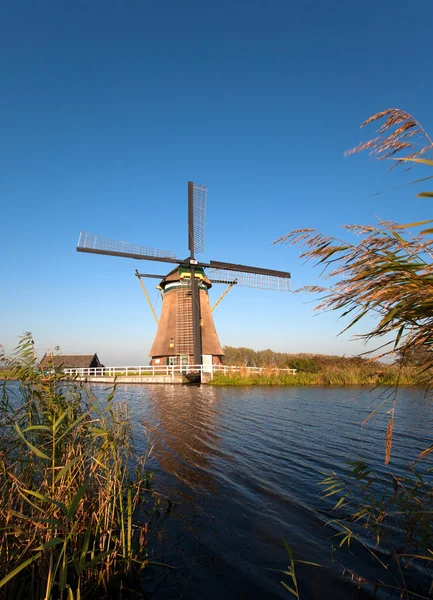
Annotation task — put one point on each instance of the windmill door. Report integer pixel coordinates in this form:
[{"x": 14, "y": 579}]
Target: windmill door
[
  {"x": 184, "y": 362},
  {"x": 207, "y": 363}
]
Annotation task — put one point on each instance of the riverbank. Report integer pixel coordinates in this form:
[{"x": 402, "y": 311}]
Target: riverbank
[
  {"x": 331, "y": 376},
  {"x": 366, "y": 375}
]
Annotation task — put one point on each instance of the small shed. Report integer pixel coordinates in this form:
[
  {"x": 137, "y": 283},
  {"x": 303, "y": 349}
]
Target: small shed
[{"x": 69, "y": 361}]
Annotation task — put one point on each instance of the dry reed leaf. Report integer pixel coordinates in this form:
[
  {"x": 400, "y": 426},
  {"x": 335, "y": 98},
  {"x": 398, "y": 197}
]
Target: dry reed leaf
[
  {"x": 377, "y": 116},
  {"x": 425, "y": 452},
  {"x": 388, "y": 439},
  {"x": 405, "y": 127},
  {"x": 391, "y": 142},
  {"x": 398, "y": 116}
]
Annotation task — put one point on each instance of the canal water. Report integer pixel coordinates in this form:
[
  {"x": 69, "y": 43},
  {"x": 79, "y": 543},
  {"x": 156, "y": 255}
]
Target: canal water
[
  {"x": 238, "y": 470},
  {"x": 242, "y": 467}
]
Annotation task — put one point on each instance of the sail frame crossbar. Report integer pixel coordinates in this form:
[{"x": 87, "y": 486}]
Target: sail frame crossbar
[
  {"x": 252, "y": 280},
  {"x": 97, "y": 243}
]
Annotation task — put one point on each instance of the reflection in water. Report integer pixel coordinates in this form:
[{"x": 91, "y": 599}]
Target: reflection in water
[
  {"x": 244, "y": 465},
  {"x": 186, "y": 438}
]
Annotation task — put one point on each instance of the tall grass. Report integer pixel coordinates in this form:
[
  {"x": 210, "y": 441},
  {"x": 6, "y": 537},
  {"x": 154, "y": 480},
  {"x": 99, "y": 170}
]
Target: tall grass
[
  {"x": 388, "y": 516},
  {"x": 369, "y": 375},
  {"x": 71, "y": 486}
]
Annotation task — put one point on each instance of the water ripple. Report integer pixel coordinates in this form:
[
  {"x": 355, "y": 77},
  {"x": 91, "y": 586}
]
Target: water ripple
[{"x": 244, "y": 465}]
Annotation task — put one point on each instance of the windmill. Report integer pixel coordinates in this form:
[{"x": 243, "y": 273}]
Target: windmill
[{"x": 186, "y": 332}]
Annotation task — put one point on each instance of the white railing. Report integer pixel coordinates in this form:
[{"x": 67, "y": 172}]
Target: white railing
[{"x": 168, "y": 370}]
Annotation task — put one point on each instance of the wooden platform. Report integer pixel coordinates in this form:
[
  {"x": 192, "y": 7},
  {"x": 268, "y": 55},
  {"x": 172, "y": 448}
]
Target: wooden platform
[{"x": 174, "y": 379}]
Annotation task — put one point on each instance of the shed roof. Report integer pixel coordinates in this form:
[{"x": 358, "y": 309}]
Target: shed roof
[{"x": 71, "y": 361}]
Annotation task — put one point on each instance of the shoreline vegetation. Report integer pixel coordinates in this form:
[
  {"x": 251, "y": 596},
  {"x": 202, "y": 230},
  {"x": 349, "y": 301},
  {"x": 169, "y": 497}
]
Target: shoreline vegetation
[
  {"x": 389, "y": 376},
  {"x": 384, "y": 271},
  {"x": 312, "y": 370},
  {"x": 75, "y": 495}
]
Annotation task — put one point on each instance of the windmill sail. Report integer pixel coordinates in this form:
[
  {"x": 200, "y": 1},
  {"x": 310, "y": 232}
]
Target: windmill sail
[
  {"x": 96, "y": 244},
  {"x": 245, "y": 276},
  {"x": 197, "y": 196}
]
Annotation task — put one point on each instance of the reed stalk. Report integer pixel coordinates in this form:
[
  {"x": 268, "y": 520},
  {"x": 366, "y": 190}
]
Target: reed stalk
[
  {"x": 387, "y": 273},
  {"x": 72, "y": 490}
]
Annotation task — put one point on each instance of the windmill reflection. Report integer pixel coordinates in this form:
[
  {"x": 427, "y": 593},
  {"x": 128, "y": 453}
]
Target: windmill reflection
[{"x": 186, "y": 439}]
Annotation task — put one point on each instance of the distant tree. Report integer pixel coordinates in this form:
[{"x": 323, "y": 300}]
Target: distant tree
[
  {"x": 239, "y": 357},
  {"x": 307, "y": 365}
]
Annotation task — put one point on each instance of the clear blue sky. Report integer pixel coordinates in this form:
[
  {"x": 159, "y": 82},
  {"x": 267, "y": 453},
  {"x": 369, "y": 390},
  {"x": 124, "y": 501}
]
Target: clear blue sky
[{"x": 107, "y": 109}]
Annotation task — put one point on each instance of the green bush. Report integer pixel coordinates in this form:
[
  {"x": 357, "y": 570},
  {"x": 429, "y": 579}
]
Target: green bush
[{"x": 306, "y": 365}]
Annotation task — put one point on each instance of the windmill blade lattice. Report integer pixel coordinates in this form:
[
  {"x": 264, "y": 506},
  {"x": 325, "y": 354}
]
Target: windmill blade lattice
[
  {"x": 197, "y": 196},
  {"x": 89, "y": 242},
  {"x": 247, "y": 279}
]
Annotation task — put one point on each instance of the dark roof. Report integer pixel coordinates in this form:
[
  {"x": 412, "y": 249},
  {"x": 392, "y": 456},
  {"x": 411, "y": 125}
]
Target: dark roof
[
  {"x": 71, "y": 361},
  {"x": 174, "y": 275}
]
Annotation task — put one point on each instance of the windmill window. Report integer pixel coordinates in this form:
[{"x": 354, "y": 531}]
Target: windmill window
[{"x": 171, "y": 343}]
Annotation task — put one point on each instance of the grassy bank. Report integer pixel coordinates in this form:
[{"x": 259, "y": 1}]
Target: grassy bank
[
  {"x": 366, "y": 375},
  {"x": 72, "y": 491}
]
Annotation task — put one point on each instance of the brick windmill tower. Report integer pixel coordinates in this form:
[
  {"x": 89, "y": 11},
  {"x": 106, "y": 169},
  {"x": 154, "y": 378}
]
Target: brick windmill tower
[
  {"x": 174, "y": 340},
  {"x": 186, "y": 333}
]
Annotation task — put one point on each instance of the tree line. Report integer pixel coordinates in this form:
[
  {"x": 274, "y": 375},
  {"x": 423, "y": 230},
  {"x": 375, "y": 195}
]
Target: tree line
[{"x": 308, "y": 363}]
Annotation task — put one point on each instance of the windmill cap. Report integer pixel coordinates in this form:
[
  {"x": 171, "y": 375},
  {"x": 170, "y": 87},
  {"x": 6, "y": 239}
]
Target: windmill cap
[{"x": 182, "y": 272}]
